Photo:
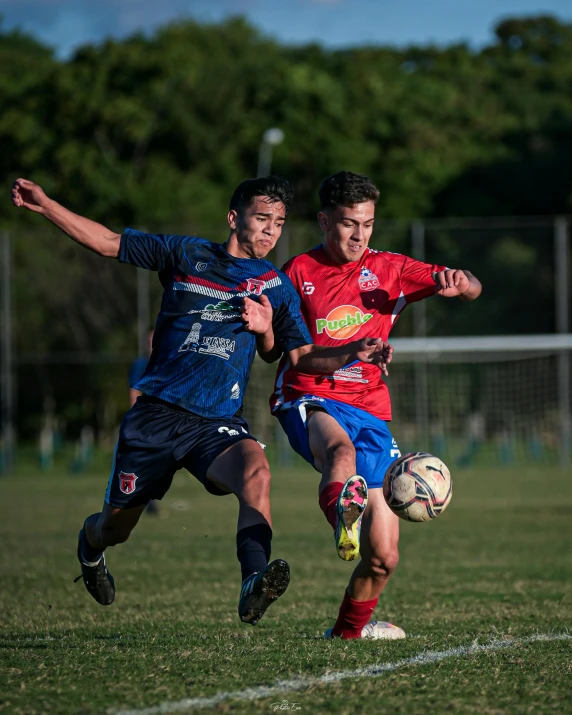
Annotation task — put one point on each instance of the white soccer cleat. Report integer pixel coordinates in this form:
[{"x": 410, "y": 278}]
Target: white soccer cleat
[
  {"x": 382, "y": 630},
  {"x": 377, "y": 630}
]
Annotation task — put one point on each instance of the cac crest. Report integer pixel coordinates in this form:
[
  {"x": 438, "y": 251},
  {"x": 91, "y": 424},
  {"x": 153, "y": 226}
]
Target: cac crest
[
  {"x": 127, "y": 482},
  {"x": 255, "y": 286},
  {"x": 367, "y": 280}
]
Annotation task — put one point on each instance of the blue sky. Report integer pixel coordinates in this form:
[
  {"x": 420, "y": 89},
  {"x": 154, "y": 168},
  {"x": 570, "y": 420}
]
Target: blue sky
[{"x": 65, "y": 24}]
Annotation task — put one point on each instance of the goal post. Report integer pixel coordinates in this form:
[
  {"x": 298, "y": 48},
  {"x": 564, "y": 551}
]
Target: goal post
[{"x": 484, "y": 400}]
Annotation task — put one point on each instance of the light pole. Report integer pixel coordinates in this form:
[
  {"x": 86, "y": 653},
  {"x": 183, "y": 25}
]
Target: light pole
[{"x": 271, "y": 138}]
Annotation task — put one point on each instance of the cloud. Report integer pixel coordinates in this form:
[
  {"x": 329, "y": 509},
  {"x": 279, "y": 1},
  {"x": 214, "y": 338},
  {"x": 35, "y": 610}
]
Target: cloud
[{"x": 66, "y": 24}]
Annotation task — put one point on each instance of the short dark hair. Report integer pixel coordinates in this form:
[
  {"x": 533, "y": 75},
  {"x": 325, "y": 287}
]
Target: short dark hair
[
  {"x": 275, "y": 187},
  {"x": 346, "y": 189}
]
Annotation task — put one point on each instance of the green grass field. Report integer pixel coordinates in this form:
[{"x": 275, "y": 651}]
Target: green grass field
[{"x": 497, "y": 565}]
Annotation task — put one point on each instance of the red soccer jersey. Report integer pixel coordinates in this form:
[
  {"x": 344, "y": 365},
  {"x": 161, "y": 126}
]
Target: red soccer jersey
[{"x": 346, "y": 302}]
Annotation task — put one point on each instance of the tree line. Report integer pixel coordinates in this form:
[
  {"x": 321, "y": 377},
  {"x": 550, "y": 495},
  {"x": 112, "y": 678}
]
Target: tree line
[{"x": 159, "y": 129}]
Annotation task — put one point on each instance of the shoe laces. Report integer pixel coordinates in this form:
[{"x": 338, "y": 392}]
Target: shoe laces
[{"x": 98, "y": 572}]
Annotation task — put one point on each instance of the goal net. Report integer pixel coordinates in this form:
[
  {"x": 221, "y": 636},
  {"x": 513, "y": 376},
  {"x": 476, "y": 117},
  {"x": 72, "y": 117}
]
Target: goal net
[
  {"x": 485, "y": 400},
  {"x": 471, "y": 401}
]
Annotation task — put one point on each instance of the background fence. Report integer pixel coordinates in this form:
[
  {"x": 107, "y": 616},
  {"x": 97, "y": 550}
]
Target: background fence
[{"x": 73, "y": 322}]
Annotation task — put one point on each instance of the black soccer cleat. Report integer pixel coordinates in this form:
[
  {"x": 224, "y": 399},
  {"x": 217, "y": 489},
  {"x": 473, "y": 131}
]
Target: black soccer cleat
[
  {"x": 261, "y": 589},
  {"x": 97, "y": 579}
]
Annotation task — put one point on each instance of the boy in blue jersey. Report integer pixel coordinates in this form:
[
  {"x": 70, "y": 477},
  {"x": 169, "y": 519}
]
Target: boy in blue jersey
[{"x": 189, "y": 414}]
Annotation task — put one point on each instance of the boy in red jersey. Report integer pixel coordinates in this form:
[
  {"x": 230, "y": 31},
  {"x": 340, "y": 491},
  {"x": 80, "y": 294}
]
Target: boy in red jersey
[{"x": 337, "y": 422}]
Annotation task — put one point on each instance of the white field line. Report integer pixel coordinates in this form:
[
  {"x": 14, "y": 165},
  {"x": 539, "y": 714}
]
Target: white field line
[{"x": 371, "y": 671}]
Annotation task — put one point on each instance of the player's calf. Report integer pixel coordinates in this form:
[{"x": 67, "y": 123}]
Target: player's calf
[
  {"x": 337, "y": 461},
  {"x": 379, "y": 549},
  {"x": 379, "y": 567},
  {"x": 254, "y": 493},
  {"x": 113, "y": 525}
]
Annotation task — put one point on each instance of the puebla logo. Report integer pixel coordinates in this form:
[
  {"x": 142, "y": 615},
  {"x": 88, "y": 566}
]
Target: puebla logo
[{"x": 342, "y": 322}]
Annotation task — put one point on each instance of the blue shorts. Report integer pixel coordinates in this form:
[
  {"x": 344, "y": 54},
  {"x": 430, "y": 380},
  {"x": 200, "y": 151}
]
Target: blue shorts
[
  {"x": 155, "y": 440},
  {"x": 375, "y": 447}
]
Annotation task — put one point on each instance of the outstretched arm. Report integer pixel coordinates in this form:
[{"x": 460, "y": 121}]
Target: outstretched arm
[
  {"x": 323, "y": 360},
  {"x": 454, "y": 283},
  {"x": 92, "y": 235}
]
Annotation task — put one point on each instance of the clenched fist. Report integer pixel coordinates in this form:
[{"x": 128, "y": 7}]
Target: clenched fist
[{"x": 257, "y": 315}]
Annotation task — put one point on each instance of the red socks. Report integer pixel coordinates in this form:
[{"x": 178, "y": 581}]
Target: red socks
[
  {"x": 328, "y": 499},
  {"x": 353, "y": 616}
]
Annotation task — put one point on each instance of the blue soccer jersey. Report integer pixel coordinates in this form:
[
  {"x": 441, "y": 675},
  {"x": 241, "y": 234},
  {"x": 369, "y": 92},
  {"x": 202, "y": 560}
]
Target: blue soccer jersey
[{"x": 202, "y": 355}]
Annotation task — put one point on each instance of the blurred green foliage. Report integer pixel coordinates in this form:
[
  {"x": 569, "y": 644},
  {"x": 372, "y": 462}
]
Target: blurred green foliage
[{"x": 160, "y": 129}]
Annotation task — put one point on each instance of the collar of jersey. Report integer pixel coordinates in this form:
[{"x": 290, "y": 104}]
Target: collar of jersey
[
  {"x": 326, "y": 260},
  {"x": 225, "y": 254}
]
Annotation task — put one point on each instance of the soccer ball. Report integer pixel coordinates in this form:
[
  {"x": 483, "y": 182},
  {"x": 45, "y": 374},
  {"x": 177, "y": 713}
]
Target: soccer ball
[{"x": 417, "y": 486}]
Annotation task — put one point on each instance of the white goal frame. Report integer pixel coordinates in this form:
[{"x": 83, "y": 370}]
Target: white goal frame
[
  {"x": 426, "y": 351},
  {"x": 432, "y": 348}
]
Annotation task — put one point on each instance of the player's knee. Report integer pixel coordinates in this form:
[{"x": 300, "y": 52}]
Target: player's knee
[
  {"x": 257, "y": 481},
  {"x": 340, "y": 454},
  {"x": 383, "y": 563}
]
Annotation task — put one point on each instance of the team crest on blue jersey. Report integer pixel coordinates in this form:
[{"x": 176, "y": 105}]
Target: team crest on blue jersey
[
  {"x": 201, "y": 266},
  {"x": 127, "y": 482},
  {"x": 209, "y": 345},
  {"x": 255, "y": 285},
  {"x": 192, "y": 339},
  {"x": 367, "y": 279},
  {"x": 218, "y": 313}
]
